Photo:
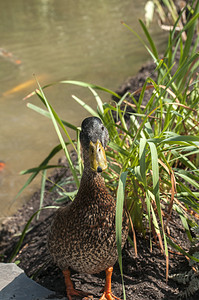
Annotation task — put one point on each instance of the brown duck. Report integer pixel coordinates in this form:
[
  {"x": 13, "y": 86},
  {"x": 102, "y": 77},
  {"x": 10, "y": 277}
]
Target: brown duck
[{"x": 82, "y": 235}]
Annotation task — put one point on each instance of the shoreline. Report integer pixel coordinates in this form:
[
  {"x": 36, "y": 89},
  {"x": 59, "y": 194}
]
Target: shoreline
[{"x": 144, "y": 276}]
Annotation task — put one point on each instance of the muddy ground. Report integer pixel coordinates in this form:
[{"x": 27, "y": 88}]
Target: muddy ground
[{"x": 144, "y": 275}]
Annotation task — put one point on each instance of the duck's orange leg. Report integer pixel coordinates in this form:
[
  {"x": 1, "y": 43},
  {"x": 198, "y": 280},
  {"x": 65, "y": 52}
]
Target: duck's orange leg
[
  {"x": 107, "y": 290},
  {"x": 69, "y": 287}
]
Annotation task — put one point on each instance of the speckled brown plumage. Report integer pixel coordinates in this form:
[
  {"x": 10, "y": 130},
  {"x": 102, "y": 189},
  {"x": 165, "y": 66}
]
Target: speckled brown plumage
[{"x": 82, "y": 235}]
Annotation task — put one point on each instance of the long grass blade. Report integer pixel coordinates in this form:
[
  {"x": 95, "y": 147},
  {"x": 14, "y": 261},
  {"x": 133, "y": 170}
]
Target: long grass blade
[
  {"x": 153, "y": 47},
  {"x": 18, "y": 246},
  {"x": 98, "y": 100},
  {"x": 40, "y": 168},
  {"x": 47, "y": 114},
  {"x": 36, "y": 171},
  {"x": 86, "y": 106},
  {"x": 118, "y": 220},
  {"x": 156, "y": 192},
  {"x": 56, "y": 120},
  {"x": 142, "y": 154},
  {"x": 43, "y": 182}
]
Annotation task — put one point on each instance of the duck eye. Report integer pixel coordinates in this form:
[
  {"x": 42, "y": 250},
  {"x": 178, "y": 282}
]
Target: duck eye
[{"x": 102, "y": 128}]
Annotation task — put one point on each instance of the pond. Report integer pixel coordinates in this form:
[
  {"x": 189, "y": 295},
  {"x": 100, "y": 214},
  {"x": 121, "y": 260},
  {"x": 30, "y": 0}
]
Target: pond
[{"x": 58, "y": 40}]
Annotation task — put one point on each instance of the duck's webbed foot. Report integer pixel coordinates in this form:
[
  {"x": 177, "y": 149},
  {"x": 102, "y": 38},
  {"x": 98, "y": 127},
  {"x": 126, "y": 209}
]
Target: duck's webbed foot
[
  {"x": 107, "y": 295},
  {"x": 70, "y": 291}
]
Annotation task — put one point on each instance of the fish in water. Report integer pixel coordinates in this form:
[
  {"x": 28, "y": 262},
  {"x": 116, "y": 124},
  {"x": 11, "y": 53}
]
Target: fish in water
[
  {"x": 23, "y": 86},
  {"x": 2, "y": 165},
  {"x": 8, "y": 55}
]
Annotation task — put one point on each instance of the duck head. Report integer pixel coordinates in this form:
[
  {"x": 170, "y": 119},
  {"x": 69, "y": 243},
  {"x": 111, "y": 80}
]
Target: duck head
[{"x": 94, "y": 137}]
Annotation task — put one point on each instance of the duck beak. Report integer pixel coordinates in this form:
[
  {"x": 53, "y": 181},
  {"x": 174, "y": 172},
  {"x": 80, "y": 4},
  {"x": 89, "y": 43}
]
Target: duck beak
[{"x": 97, "y": 156}]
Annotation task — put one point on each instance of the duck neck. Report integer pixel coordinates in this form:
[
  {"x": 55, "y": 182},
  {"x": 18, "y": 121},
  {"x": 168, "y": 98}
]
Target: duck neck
[
  {"x": 93, "y": 179},
  {"x": 92, "y": 187}
]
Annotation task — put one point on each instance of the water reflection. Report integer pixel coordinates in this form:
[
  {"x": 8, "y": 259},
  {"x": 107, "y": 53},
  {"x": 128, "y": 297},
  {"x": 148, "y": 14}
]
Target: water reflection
[{"x": 57, "y": 40}]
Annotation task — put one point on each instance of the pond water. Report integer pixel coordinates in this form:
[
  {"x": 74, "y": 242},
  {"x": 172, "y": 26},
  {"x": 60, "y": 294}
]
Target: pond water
[{"x": 58, "y": 40}]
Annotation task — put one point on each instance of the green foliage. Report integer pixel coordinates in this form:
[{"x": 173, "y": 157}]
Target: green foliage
[
  {"x": 170, "y": 12},
  {"x": 154, "y": 152}
]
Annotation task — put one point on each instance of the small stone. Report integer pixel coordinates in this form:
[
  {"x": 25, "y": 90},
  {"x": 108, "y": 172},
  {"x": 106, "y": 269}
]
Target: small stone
[{"x": 15, "y": 285}]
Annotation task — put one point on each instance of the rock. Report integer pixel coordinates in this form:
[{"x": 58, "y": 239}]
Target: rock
[{"x": 15, "y": 285}]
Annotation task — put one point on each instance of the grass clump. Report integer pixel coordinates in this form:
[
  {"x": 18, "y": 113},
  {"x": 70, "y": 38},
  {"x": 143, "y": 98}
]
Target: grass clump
[{"x": 154, "y": 149}]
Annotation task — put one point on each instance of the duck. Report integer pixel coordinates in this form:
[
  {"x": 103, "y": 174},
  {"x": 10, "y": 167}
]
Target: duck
[{"x": 82, "y": 236}]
